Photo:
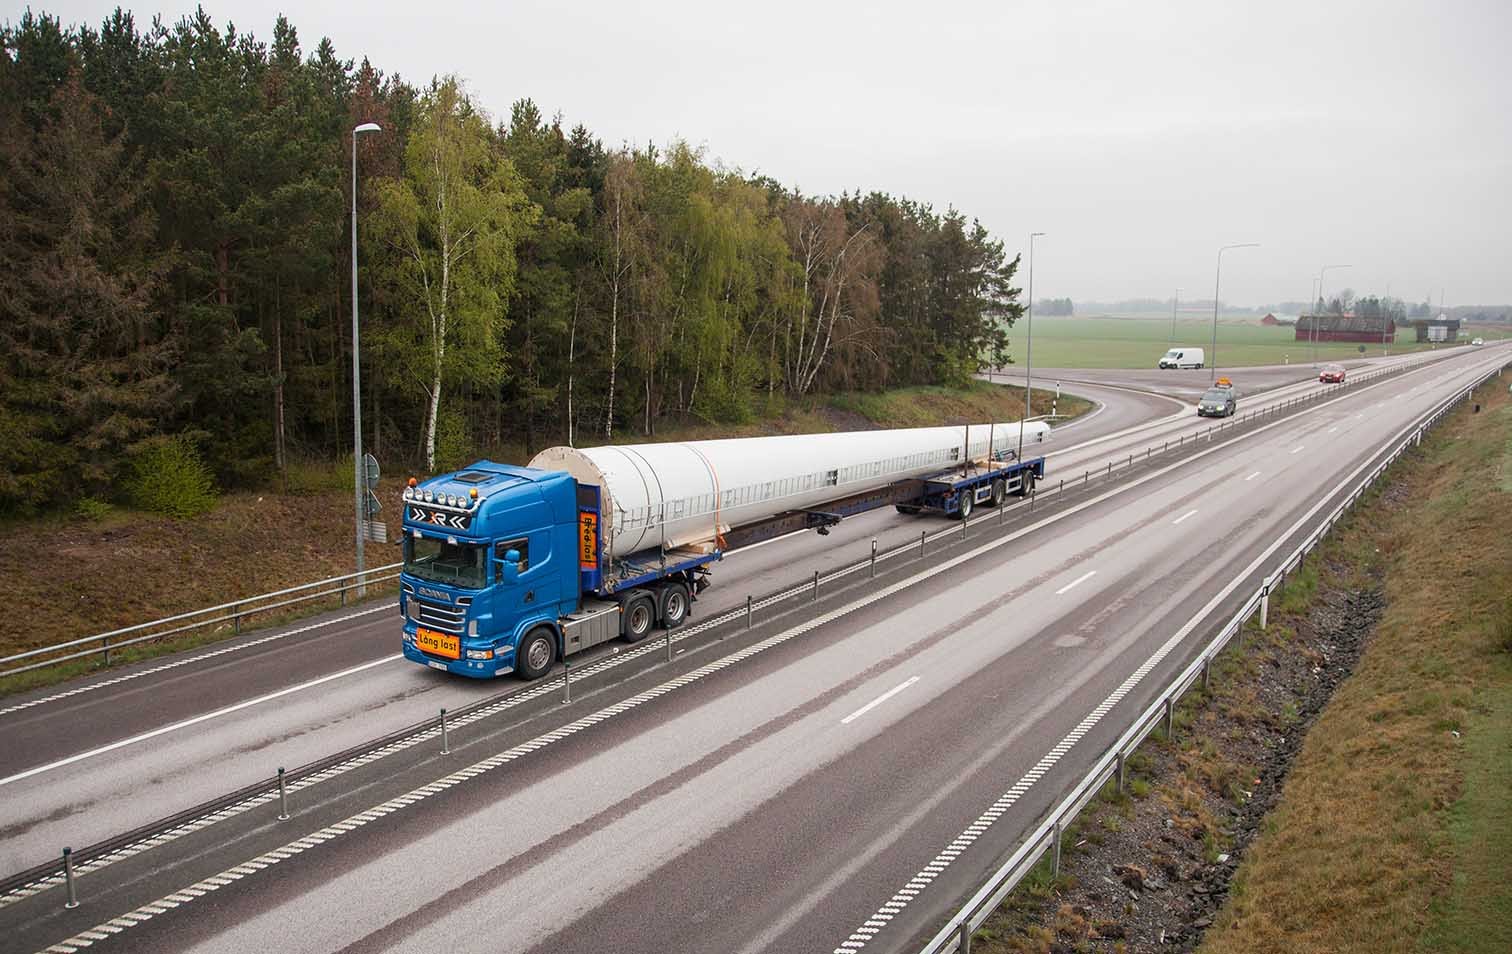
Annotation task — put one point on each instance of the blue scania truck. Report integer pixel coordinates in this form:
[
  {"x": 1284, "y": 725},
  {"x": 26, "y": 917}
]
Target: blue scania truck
[{"x": 509, "y": 568}]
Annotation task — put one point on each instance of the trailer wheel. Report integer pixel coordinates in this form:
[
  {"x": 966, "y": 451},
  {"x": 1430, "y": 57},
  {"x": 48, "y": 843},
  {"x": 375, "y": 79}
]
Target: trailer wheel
[
  {"x": 674, "y": 605},
  {"x": 1026, "y": 484},
  {"x": 968, "y": 502},
  {"x": 999, "y": 491},
  {"x": 639, "y": 616},
  {"x": 536, "y": 654}
]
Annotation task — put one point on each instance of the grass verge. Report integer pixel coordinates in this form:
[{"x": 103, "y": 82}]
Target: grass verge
[{"x": 1371, "y": 801}]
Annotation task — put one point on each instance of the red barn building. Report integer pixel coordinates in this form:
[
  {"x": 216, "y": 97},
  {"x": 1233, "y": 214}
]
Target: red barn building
[
  {"x": 1269, "y": 319},
  {"x": 1346, "y": 328}
]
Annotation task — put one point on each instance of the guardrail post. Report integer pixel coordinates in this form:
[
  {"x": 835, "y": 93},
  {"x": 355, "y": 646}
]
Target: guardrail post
[
  {"x": 874, "y": 558},
  {"x": 1264, "y": 606},
  {"x": 445, "y": 742},
  {"x": 1207, "y": 672},
  {"x": 1086, "y": 474},
  {"x": 105, "y": 646},
  {"x": 669, "y": 645},
  {"x": 1170, "y": 719},
  {"x": 964, "y": 944},
  {"x": 1032, "y": 495},
  {"x": 68, "y": 878},
  {"x": 1055, "y": 849},
  {"x": 1118, "y": 760},
  {"x": 567, "y": 673},
  {"x": 343, "y": 590},
  {"x": 816, "y": 586},
  {"x": 1110, "y": 468},
  {"x": 236, "y": 620},
  {"x": 283, "y": 796},
  {"x": 748, "y": 612},
  {"x": 922, "y": 533},
  {"x": 1062, "y": 488},
  {"x": 964, "y": 520}
]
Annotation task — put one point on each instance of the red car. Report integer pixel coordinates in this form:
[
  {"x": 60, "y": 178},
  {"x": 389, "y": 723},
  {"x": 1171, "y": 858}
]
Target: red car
[{"x": 1332, "y": 374}]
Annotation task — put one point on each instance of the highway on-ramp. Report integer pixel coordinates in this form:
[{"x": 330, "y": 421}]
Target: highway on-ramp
[{"x": 780, "y": 789}]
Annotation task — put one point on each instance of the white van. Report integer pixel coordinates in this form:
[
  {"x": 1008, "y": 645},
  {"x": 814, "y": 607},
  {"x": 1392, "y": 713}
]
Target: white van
[{"x": 1182, "y": 358}]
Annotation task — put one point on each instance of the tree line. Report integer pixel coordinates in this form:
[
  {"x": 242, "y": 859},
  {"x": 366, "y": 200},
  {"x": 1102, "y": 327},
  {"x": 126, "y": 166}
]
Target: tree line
[{"x": 175, "y": 260}]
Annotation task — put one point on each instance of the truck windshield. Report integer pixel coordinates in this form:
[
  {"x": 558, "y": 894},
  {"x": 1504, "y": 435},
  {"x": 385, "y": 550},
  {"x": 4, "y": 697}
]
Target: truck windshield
[{"x": 460, "y": 564}]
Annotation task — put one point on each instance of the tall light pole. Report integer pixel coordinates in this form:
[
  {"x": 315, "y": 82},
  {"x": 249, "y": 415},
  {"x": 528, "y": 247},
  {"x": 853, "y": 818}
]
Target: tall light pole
[
  {"x": 359, "y": 483},
  {"x": 1321, "y": 272},
  {"x": 1175, "y": 300},
  {"x": 1028, "y": 351},
  {"x": 1217, "y": 279}
]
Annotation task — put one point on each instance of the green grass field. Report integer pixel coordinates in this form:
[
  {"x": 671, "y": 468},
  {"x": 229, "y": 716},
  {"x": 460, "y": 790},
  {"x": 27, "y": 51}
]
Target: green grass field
[{"x": 1139, "y": 342}]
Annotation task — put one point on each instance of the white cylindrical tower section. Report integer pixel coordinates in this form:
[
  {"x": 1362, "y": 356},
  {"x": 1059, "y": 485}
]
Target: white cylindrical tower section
[{"x": 680, "y": 494}]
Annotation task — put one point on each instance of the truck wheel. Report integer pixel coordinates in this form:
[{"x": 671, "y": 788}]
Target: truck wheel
[
  {"x": 639, "y": 617},
  {"x": 1026, "y": 484},
  {"x": 674, "y": 605},
  {"x": 536, "y": 653},
  {"x": 999, "y": 491},
  {"x": 968, "y": 503}
]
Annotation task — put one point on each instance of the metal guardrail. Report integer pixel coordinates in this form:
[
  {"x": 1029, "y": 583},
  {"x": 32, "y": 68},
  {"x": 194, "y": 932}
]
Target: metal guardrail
[
  {"x": 236, "y": 611},
  {"x": 1046, "y": 837},
  {"x": 47, "y": 874},
  {"x": 233, "y": 613}
]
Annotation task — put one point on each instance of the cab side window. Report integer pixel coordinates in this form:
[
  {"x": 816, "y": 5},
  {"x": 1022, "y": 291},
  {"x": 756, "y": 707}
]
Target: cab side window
[{"x": 522, "y": 545}]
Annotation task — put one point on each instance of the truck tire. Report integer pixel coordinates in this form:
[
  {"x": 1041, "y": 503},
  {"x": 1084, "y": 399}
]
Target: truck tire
[
  {"x": 968, "y": 503},
  {"x": 999, "y": 492},
  {"x": 536, "y": 654},
  {"x": 639, "y": 617},
  {"x": 674, "y": 605},
  {"x": 1026, "y": 484}
]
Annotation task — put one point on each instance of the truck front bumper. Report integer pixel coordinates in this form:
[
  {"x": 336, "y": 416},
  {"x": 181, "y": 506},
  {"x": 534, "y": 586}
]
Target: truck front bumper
[{"x": 475, "y": 668}]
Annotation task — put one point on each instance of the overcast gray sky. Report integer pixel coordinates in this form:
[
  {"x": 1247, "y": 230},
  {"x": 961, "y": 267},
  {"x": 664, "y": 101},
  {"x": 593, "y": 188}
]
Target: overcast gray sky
[{"x": 1139, "y": 136}]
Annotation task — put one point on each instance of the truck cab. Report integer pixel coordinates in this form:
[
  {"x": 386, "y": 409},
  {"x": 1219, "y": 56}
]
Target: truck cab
[{"x": 491, "y": 563}]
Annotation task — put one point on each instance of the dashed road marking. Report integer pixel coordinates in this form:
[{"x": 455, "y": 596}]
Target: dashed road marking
[
  {"x": 1253, "y": 476},
  {"x": 1076, "y": 582},
  {"x": 879, "y": 700},
  {"x": 1297, "y": 449},
  {"x": 1189, "y": 513}
]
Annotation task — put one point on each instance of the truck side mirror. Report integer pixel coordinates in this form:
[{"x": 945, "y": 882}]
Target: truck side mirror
[{"x": 511, "y": 565}]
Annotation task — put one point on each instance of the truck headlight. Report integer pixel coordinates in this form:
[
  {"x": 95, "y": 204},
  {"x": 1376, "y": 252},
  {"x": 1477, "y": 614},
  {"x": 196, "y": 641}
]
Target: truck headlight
[
  {"x": 412, "y": 609},
  {"x": 480, "y": 654}
]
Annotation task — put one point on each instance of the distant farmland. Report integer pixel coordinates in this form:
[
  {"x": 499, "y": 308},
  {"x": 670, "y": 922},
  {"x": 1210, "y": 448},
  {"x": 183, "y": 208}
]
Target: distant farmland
[{"x": 1139, "y": 342}]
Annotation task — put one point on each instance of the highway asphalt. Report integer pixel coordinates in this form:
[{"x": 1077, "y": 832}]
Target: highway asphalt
[{"x": 774, "y": 803}]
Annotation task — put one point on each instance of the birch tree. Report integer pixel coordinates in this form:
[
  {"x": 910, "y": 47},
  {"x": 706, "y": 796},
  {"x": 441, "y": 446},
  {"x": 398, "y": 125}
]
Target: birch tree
[{"x": 452, "y": 220}]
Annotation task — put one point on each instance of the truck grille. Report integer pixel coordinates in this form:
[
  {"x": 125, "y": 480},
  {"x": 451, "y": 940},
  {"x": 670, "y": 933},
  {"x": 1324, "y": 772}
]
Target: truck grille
[{"x": 448, "y": 619}]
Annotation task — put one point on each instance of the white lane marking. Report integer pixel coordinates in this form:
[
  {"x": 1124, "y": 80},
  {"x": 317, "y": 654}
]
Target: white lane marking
[
  {"x": 1079, "y": 580},
  {"x": 1297, "y": 449},
  {"x": 879, "y": 700},
  {"x": 196, "y": 720},
  {"x": 947, "y": 856},
  {"x": 1253, "y": 476},
  {"x": 1332, "y": 429},
  {"x": 1189, "y": 513},
  {"x": 194, "y": 659},
  {"x": 158, "y": 907}
]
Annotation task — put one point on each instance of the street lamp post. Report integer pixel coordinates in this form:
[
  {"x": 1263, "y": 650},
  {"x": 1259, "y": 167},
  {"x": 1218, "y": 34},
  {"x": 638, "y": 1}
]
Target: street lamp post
[
  {"x": 1175, "y": 300},
  {"x": 1321, "y": 272},
  {"x": 359, "y": 483},
  {"x": 1217, "y": 279},
  {"x": 1029, "y": 350}
]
